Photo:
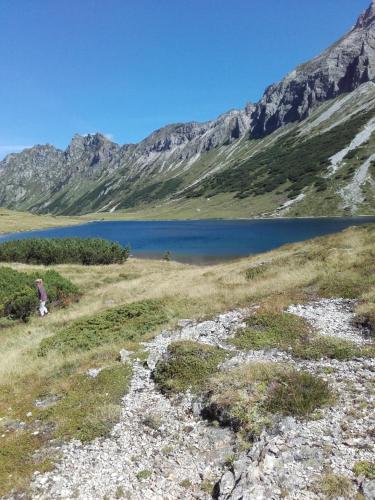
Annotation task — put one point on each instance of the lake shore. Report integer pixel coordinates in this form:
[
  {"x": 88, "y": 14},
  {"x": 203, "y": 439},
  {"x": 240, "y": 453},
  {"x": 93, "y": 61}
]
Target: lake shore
[{"x": 19, "y": 222}]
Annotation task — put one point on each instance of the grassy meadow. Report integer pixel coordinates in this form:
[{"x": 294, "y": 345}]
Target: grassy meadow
[
  {"x": 45, "y": 395},
  {"x": 12, "y": 221}
]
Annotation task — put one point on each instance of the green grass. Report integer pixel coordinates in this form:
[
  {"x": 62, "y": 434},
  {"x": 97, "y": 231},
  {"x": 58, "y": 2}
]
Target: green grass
[
  {"x": 90, "y": 407},
  {"x": 247, "y": 398},
  {"x": 144, "y": 474},
  {"x": 124, "y": 323},
  {"x": 187, "y": 366},
  {"x": 287, "y": 332}
]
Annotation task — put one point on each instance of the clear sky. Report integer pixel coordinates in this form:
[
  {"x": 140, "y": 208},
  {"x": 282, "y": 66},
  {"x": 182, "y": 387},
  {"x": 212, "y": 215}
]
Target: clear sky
[{"x": 127, "y": 67}]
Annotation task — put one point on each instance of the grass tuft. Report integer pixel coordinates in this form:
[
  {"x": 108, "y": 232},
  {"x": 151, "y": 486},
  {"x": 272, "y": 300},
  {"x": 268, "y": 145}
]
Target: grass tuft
[
  {"x": 333, "y": 486},
  {"x": 365, "y": 468}
]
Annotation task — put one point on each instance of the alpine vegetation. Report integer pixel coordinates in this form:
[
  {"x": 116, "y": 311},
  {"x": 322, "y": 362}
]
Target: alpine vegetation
[{"x": 87, "y": 251}]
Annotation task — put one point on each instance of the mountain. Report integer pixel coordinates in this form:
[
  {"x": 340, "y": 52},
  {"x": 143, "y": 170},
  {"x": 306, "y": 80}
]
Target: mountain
[{"x": 306, "y": 148}]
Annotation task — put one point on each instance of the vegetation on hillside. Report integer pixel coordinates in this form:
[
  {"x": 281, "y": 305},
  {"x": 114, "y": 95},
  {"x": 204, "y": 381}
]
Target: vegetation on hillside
[
  {"x": 289, "y": 165},
  {"x": 247, "y": 398},
  {"x": 47, "y": 251},
  {"x": 19, "y": 298}
]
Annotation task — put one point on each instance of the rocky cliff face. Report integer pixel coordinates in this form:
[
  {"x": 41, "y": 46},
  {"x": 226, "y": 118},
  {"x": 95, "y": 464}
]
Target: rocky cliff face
[
  {"x": 94, "y": 173},
  {"x": 341, "y": 68}
]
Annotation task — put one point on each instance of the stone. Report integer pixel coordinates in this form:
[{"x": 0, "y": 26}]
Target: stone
[{"x": 124, "y": 355}]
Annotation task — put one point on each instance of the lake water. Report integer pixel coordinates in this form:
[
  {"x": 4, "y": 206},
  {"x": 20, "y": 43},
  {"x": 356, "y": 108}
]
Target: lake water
[{"x": 203, "y": 241}]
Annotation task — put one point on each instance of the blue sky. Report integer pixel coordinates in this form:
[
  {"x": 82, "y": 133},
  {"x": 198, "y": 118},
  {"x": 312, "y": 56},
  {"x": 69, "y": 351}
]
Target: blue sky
[{"x": 127, "y": 67}]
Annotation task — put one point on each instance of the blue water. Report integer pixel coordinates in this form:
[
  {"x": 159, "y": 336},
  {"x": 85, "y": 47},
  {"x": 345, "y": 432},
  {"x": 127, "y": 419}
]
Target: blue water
[{"x": 204, "y": 240}]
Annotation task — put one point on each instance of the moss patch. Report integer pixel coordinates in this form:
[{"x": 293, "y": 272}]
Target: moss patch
[{"x": 188, "y": 365}]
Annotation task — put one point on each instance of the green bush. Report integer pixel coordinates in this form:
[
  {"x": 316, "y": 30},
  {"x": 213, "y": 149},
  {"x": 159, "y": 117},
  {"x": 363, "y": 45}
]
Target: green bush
[
  {"x": 187, "y": 365},
  {"x": 124, "y": 323},
  {"x": 18, "y": 295},
  {"x": 87, "y": 251}
]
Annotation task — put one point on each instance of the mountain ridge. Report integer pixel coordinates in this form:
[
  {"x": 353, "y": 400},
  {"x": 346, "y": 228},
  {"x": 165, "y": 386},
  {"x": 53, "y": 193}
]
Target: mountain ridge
[{"x": 184, "y": 160}]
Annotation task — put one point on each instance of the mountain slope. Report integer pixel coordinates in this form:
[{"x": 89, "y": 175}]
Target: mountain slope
[{"x": 306, "y": 148}]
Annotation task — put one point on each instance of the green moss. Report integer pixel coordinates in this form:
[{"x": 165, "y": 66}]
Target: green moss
[
  {"x": 129, "y": 322},
  {"x": 287, "y": 332},
  {"x": 365, "y": 468},
  {"x": 188, "y": 365}
]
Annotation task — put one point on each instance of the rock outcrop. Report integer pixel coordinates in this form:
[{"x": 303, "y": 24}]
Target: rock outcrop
[{"x": 341, "y": 68}]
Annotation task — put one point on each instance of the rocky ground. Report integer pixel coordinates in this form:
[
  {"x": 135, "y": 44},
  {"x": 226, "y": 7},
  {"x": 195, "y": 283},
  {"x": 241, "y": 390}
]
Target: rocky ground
[{"x": 162, "y": 449}]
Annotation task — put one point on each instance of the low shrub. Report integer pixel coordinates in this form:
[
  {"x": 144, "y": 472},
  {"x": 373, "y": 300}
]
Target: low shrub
[
  {"x": 18, "y": 295},
  {"x": 297, "y": 393},
  {"x": 128, "y": 322},
  {"x": 269, "y": 330},
  {"x": 255, "y": 271},
  {"x": 287, "y": 332},
  {"x": 187, "y": 366},
  {"x": 248, "y": 398},
  {"x": 47, "y": 251}
]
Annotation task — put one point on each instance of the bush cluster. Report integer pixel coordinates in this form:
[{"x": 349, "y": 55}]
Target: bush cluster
[
  {"x": 124, "y": 323},
  {"x": 47, "y": 251},
  {"x": 19, "y": 298}
]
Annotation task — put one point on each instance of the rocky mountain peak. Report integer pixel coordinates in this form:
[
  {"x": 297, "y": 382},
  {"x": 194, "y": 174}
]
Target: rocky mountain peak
[
  {"x": 341, "y": 68},
  {"x": 97, "y": 145},
  {"x": 367, "y": 17}
]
